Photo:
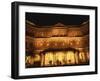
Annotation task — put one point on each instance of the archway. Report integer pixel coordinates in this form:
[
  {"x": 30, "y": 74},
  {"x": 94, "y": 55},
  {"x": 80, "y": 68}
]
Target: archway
[{"x": 58, "y": 57}]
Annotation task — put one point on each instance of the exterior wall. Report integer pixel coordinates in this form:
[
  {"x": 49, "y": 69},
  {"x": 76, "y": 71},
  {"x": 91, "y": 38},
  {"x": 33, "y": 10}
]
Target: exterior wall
[
  {"x": 69, "y": 31},
  {"x": 63, "y": 42},
  {"x": 39, "y": 39}
]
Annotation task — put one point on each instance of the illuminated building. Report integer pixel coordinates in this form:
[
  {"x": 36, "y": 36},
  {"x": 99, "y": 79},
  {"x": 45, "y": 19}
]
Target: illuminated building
[{"x": 57, "y": 44}]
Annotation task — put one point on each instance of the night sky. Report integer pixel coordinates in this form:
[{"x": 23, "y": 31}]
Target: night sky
[{"x": 45, "y": 19}]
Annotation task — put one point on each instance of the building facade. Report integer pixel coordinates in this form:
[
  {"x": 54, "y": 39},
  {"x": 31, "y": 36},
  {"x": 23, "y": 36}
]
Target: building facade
[{"x": 57, "y": 45}]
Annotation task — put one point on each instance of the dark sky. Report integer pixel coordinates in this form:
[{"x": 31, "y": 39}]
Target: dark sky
[{"x": 51, "y": 19}]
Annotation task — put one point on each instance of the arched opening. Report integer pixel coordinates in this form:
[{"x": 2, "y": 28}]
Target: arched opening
[{"x": 58, "y": 57}]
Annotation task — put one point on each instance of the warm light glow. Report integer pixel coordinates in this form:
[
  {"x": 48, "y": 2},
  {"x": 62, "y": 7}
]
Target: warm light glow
[
  {"x": 82, "y": 56},
  {"x": 29, "y": 60},
  {"x": 48, "y": 58},
  {"x": 57, "y": 46},
  {"x": 70, "y": 57},
  {"x": 59, "y": 56},
  {"x": 37, "y": 58}
]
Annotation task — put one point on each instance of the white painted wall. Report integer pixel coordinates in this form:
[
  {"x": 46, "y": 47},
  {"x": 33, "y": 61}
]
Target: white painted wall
[{"x": 5, "y": 40}]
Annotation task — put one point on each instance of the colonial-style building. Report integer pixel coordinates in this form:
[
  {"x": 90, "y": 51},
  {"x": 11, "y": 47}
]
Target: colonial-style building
[{"x": 57, "y": 44}]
